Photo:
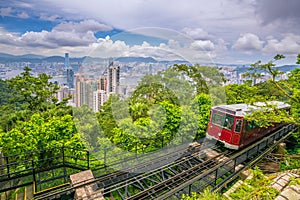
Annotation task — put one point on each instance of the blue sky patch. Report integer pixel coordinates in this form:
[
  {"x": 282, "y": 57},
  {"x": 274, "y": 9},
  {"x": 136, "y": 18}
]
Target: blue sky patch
[{"x": 22, "y": 26}]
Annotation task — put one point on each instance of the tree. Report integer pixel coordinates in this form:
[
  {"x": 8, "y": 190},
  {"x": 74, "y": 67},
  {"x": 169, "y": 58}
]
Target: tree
[
  {"x": 164, "y": 107},
  {"x": 87, "y": 126},
  {"x": 203, "y": 77},
  {"x": 240, "y": 93},
  {"x": 106, "y": 118},
  {"x": 160, "y": 125},
  {"x": 290, "y": 89},
  {"x": 202, "y": 104},
  {"x": 32, "y": 119},
  {"x": 39, "y": 133},
  {"x": 5, "y": 93},
  {"x": 33, "y": 93},
  {"x": 27, "y": 95}
]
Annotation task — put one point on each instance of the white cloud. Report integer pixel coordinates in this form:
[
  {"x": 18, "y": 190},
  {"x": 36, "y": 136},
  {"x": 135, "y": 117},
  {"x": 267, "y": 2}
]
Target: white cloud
[
  {"x": 23, "y": 15},
  {"x": 196, "y": 16},
  {"x": 290, "y": 44},
  {"x": 82, "y": 27},
  {"x": 221, "y": 46},
  {"x": 64, "y": 38},
  {"x": 4, "y": 12},
  {"x": 9, "y": 38},
  {"x": 105, "y": 47},
  {"x": 61, "y": 39},
  {"x": 197, "y": 33},
  {"x": 66, "y": 34},
  {"x": 49, "y": 18},
  {"x": 203, "y": 45},
  {"x": 24, "y": 5},
  {"x": 173, "y": 44},
  {"x": 248, "y": 42}
]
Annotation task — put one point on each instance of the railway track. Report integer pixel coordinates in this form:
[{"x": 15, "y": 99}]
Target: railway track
[
  {"x": 116, "y": 177},
  {"x": 192, "y": 171},
  {"x": 181, "y": 175}
]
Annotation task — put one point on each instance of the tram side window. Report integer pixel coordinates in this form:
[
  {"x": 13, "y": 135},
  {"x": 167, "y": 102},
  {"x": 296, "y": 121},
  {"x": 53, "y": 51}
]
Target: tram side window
[
  {"x": 251, "y": 125},
  {"x": 238, "y": 126}
]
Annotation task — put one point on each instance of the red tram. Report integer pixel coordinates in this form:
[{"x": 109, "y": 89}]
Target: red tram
[{"x": 227, "y": 124}]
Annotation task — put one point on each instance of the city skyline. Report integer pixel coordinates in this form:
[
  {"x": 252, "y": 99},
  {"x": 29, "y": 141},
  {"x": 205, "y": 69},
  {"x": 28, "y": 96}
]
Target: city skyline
[{"x": 219, "y": 31}]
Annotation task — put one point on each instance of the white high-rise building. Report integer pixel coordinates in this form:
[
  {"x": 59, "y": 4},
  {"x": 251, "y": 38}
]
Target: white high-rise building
[
  {"x": 99, "y": 98},
  {"x": 113, "y": 79},
  {"x": 84, "y": 88}
]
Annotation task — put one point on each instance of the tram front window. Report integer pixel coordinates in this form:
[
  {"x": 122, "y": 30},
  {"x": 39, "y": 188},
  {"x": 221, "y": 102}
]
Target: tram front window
[{"x": 223, "y": 120}]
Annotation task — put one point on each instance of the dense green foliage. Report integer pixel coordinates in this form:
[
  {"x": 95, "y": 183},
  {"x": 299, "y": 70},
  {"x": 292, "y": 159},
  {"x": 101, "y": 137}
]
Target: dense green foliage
[
  {"x": 164, "y": 108},
  {"x": 205, "y": 195},
  {"x": 32, "y": 93},
  {"x": 203, "y": 78},
  {"x": 290, "y": 162},
  {"x": 258, "y": 187},
  {"x": 273, "y": 89},
  {"x": 40, "y": 132},
  {"x": 287, "y": 90},
  {"x": 5, "y": 93},
  {"x": 31, "y": 118}
]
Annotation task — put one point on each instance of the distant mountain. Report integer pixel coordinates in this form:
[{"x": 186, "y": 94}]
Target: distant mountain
[
  {"x": 5, "y": 55},
  {"x": 136, "y": 59},
  {"x": 31, "y": 56},
  {"x": 175, "y": 61},
  {"x": 286, "y": 68},
  {"x": 54, "y": 59},
  {"x": 89, "y": 59},
  {"x": 7, "y": 58}
]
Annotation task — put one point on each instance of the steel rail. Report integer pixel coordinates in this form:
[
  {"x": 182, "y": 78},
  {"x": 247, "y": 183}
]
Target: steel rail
[
  {"x": 154, "y": 191},
  {"x": 262, "y": 147},
  {"x": 125, "y": 173}
]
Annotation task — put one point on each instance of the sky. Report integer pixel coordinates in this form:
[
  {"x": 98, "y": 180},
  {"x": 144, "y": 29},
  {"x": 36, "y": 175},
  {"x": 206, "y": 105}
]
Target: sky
[{"x": 199, "y": 31}]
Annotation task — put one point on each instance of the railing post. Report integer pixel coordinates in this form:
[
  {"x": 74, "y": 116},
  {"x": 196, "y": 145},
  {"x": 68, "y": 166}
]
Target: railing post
[
  {"x": 136, "y": 149},
  {"x": 216, "y": 177},
  {"x": 1, "y": 163},
  {"x": 7, "y": 166},
  {"x": 104, "y": 157},
  {"x": 63, "y": 154},
  {"x": 247, "y": 154},
  {"x": 88, "y": 159},
  {"x": 234, "y": 164},
  {"x": 33, "y": 174}
]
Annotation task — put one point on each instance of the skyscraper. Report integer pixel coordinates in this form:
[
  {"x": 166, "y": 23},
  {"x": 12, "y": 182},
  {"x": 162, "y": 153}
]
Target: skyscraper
[
  {"x": 70, "y": 77},
  {"x": 113, "y": 79},
  {"x": 66, "y": 61},
  {"x": 84, "y": 90},
  {"x": 99, "y": 98},
  {"x": 68, "y": 72}
]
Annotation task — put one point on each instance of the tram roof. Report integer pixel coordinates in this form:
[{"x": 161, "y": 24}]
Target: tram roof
[{"x": 242, "y": 109}]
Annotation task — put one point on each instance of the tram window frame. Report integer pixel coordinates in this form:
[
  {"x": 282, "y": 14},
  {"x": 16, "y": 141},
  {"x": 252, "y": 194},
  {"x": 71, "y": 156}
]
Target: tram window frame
[
  {"x": 238, "y": 125},
  {"x": 217, "y": 118}
]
